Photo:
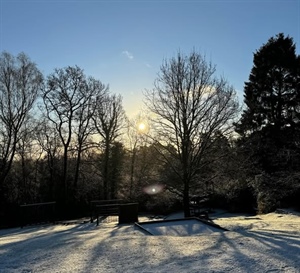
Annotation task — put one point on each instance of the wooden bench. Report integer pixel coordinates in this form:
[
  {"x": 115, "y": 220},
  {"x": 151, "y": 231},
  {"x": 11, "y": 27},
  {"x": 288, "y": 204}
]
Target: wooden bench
[
  {"x": 199, "y": 206},
  {"x": 127, "y": 212},
  {"x": 37, "y": 213},
  {"x": 104, "y": 208}
]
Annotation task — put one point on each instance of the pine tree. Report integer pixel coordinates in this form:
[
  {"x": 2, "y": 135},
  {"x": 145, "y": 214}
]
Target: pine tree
[
  {"x": 270, "y": 124},
  {"x": 272, "y": 94}
]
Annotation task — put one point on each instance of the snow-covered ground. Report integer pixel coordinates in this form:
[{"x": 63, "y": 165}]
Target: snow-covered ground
[
  {"x": 263, "y": 243},
  {"x": 178, "y": 227}
]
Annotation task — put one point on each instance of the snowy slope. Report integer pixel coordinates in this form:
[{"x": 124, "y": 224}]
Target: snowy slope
[{"x": 268, "y": 243}]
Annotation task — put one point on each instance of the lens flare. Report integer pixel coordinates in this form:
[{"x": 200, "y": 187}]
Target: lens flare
[{"x": 153, "y": 189}]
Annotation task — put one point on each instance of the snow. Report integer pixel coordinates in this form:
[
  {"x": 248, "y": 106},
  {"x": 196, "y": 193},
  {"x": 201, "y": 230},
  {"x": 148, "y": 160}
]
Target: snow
[
  {"x": 263, "y": 243},
  {"x": 178, "y": 227}
]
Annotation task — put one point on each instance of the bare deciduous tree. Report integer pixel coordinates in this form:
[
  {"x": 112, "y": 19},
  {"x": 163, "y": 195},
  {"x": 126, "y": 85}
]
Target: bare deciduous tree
[
  {"x": 27, "y": 159},
  {"x": 50, "y": 145},
  {"x": 109, "y": 120},
  {"x": 190, "y": 104},
  {"x": 20, "y": 83},
  {"x": 68, "y": 104},
  {"x": 83, "y": 128},
  {"x": 136, "y": 140}
]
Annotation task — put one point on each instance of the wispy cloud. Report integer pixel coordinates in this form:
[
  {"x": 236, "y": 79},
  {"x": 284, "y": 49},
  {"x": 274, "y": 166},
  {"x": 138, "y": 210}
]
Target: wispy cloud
[
  {"x": 127, "y": 54},
  {"x": 148, "y": 65}
]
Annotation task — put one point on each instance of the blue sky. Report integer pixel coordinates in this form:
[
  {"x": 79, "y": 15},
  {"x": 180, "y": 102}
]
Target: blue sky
[{"x": 123, "y": 43}]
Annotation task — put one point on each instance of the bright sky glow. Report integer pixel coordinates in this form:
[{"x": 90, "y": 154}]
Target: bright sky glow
[
  {"x": 123, "y": 43},
  {"x": 142, "y": 127}
]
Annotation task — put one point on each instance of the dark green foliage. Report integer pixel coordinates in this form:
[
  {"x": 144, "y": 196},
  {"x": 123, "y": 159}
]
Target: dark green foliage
[
  {"x": 270, "y": 124},
  {"x": 273, "y": 189},
  {"x": 272, "y": 95}
]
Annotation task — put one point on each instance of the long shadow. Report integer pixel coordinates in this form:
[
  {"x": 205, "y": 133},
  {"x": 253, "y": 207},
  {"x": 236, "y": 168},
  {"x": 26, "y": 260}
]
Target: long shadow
[
  {"x": 151, "y": 253},
  {"x": 282, "y": 243},
  {"x": 248, "y": 249},
  {"x": 37, "y": 245},
  {"x": 116, "y": 252},
  {"x": 223, "y": 252},
  {"x": 112, "y": 248}
]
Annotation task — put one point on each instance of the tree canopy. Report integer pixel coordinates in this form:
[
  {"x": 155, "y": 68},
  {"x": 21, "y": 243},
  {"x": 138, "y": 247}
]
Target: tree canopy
[
  {"x": 270, "y": 123},
  {"x": 190, "y": 105},
  {"x": 20, "y": 84},
  {"x": 272, "y": 95}
]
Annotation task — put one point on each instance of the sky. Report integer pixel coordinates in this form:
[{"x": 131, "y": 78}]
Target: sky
[{"x": 123, "y": 43}]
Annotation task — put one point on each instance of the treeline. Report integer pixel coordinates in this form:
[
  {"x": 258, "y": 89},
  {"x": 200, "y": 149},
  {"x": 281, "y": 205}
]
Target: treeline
[{"x": 66, "y": 138}]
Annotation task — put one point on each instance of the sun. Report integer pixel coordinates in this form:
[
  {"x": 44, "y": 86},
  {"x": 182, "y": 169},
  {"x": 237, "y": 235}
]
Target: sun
[{"x": 142, "y": 127}]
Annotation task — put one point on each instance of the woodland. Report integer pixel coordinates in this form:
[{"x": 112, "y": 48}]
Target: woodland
[{"x": 65, "y": 137}]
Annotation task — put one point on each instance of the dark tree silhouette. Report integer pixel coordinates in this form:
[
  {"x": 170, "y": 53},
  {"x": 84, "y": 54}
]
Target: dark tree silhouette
[
  {"x": 109, "y": 120},
  {"x": 20, "y": 83},
  {"x": 190, "y": 104},
  {"x": 270, "y": 123},
  {"x": 50, "y": 144},
  {"x": 271, "y": 118},
  {"x": 272, "y": 94},
  {"x": 68, "y": 105}
]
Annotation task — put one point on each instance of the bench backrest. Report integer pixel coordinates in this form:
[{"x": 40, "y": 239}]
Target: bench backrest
[{"x": 106, "y": 202}]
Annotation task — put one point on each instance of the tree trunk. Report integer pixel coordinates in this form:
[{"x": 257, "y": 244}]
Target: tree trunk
[
  {"x": 105, "y": 171},
  {"x": 186, "y": 198},
  {"x": 132, "y": 173},
  {"x": 65, "y": 169},
  {"x": 78, "y": 161}
]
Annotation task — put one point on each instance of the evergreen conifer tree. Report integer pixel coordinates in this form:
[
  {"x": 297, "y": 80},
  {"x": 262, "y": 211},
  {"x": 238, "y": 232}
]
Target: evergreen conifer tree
[
  {"x": 272, "y": 94},
  {"x": 270, "y": 124}
]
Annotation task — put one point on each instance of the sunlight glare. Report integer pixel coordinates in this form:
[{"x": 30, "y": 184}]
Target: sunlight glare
[{"x": 142, "y": 126}]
